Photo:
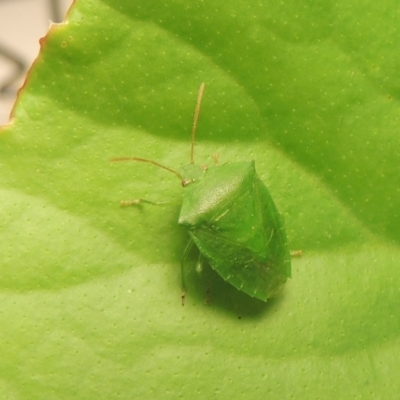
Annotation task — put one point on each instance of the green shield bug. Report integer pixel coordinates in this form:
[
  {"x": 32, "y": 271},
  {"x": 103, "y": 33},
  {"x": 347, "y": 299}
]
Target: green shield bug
[{"x": 233, "y": 221}]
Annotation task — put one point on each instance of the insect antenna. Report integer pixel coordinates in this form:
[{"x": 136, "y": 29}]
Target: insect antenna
[
  {"x": 195, "y": 119},
  {"x": 148, "y": 161}
]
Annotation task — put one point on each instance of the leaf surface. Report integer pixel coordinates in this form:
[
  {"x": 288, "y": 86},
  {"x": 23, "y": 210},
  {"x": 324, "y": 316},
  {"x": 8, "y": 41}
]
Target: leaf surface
[{"x": 90, "y": 292}]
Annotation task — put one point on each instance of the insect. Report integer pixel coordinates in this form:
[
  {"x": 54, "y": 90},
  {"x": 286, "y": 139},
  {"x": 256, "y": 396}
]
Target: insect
[{"x": 232, "y": 220}]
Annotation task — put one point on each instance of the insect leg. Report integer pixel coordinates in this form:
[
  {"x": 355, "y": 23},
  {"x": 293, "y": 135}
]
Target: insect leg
[
  {"x": 216, "y": 158},
  {"x": 184, "y": 257},
  {"x": 199, "y": 270},
  {"x": 200, "y": 263},
  {"x": 136, "y": 202}
]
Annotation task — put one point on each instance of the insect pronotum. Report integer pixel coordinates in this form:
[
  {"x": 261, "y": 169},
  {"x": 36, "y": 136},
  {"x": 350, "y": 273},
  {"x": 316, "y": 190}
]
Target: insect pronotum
[{"x": 231, "y": 218}]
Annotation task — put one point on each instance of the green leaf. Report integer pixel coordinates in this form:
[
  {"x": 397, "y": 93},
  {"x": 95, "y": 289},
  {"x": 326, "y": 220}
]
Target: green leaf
[{"x": 90, "y": 292}]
